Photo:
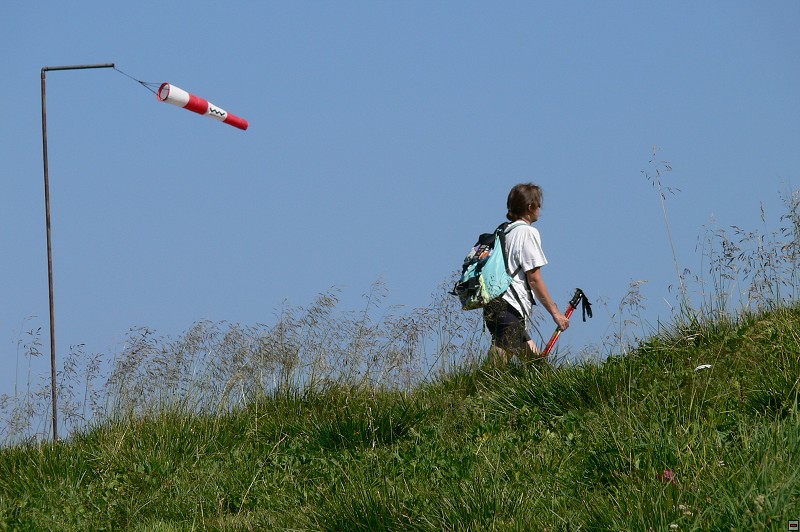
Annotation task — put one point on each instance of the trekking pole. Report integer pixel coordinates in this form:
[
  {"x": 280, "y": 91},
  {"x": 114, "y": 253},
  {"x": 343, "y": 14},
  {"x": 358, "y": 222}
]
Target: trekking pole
[{"x": 578, "y": 299}]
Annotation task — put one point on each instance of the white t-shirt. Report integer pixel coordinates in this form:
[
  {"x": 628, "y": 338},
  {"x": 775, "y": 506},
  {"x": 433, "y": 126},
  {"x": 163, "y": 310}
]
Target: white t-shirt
[{"x": 523, "y": 253}]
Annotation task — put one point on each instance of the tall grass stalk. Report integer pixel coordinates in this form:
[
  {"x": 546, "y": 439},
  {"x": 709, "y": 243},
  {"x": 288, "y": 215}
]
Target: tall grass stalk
[{"x": 655, "y": 177}]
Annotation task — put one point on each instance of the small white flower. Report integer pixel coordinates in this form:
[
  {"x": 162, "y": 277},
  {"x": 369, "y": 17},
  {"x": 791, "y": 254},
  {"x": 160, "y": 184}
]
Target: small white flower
[{"x": 703, "y": 366}]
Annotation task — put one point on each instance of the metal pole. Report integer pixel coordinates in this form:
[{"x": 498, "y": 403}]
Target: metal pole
[{"x": 53, "y": 392}]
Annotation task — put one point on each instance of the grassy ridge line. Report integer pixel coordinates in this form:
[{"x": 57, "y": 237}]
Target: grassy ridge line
[{"x": 638, "y": 442}]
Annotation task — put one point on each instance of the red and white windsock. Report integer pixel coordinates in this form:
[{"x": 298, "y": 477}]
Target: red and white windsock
[{"x": 176, "y": 96}]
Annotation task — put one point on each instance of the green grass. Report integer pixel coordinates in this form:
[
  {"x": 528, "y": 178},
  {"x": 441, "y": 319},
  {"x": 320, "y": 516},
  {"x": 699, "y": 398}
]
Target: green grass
[
  {"x": 638, "y": 442},
  {"x": 375, "y": 420}
]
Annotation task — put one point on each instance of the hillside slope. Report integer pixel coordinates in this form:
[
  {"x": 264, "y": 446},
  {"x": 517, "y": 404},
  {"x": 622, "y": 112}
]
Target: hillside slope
[{"x": 639, "y": 442}]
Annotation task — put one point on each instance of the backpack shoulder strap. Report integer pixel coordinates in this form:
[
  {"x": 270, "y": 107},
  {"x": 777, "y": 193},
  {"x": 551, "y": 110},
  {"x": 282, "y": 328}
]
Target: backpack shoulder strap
[
  {"x": 502, "y": 230},
  {"x": 507, "y": 227},
  {"x": 510, "y": 226}
]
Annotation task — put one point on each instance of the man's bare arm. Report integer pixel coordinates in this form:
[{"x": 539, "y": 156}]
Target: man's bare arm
[{"x": 539, "y": 288}]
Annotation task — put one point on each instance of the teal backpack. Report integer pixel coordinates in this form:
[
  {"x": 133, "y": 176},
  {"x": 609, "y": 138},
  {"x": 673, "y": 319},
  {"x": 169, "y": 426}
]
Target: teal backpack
[{"x": 484, "y": 274}]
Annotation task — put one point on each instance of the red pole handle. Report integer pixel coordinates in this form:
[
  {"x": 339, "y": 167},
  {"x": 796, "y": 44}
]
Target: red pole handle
[{"x": 557, "y": 333}]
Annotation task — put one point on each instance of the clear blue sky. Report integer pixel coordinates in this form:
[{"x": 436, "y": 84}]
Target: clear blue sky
[{"x": 384, "y": 136}]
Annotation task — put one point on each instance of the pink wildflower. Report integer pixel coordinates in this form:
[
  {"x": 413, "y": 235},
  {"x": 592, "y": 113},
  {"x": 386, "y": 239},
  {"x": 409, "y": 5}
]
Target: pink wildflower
[{"x": 667, "y": 476}]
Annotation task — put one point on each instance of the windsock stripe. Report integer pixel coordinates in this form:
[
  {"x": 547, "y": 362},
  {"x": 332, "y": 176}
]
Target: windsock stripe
[
  {"x": 216, "y": 113},
  {"x": 235, "y": 121},
  {"x": 197, "y": 105}
]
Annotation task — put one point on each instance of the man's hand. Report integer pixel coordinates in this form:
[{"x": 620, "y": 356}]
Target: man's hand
[{"x": 562, "y": 322}]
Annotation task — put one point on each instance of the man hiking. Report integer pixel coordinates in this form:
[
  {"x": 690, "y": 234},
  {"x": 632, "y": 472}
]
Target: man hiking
[{"x": 506, "y": 316}]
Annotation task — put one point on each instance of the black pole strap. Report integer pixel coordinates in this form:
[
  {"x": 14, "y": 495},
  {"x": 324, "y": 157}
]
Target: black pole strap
[{"x": 580, "y": 299}]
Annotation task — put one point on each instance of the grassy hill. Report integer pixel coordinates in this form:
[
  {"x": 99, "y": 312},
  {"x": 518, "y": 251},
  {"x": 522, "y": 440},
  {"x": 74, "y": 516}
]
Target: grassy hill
[{"x": 644, "y": 441}]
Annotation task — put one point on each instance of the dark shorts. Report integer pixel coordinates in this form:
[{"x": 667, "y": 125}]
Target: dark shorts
[{"x": 506, "y": 325}]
